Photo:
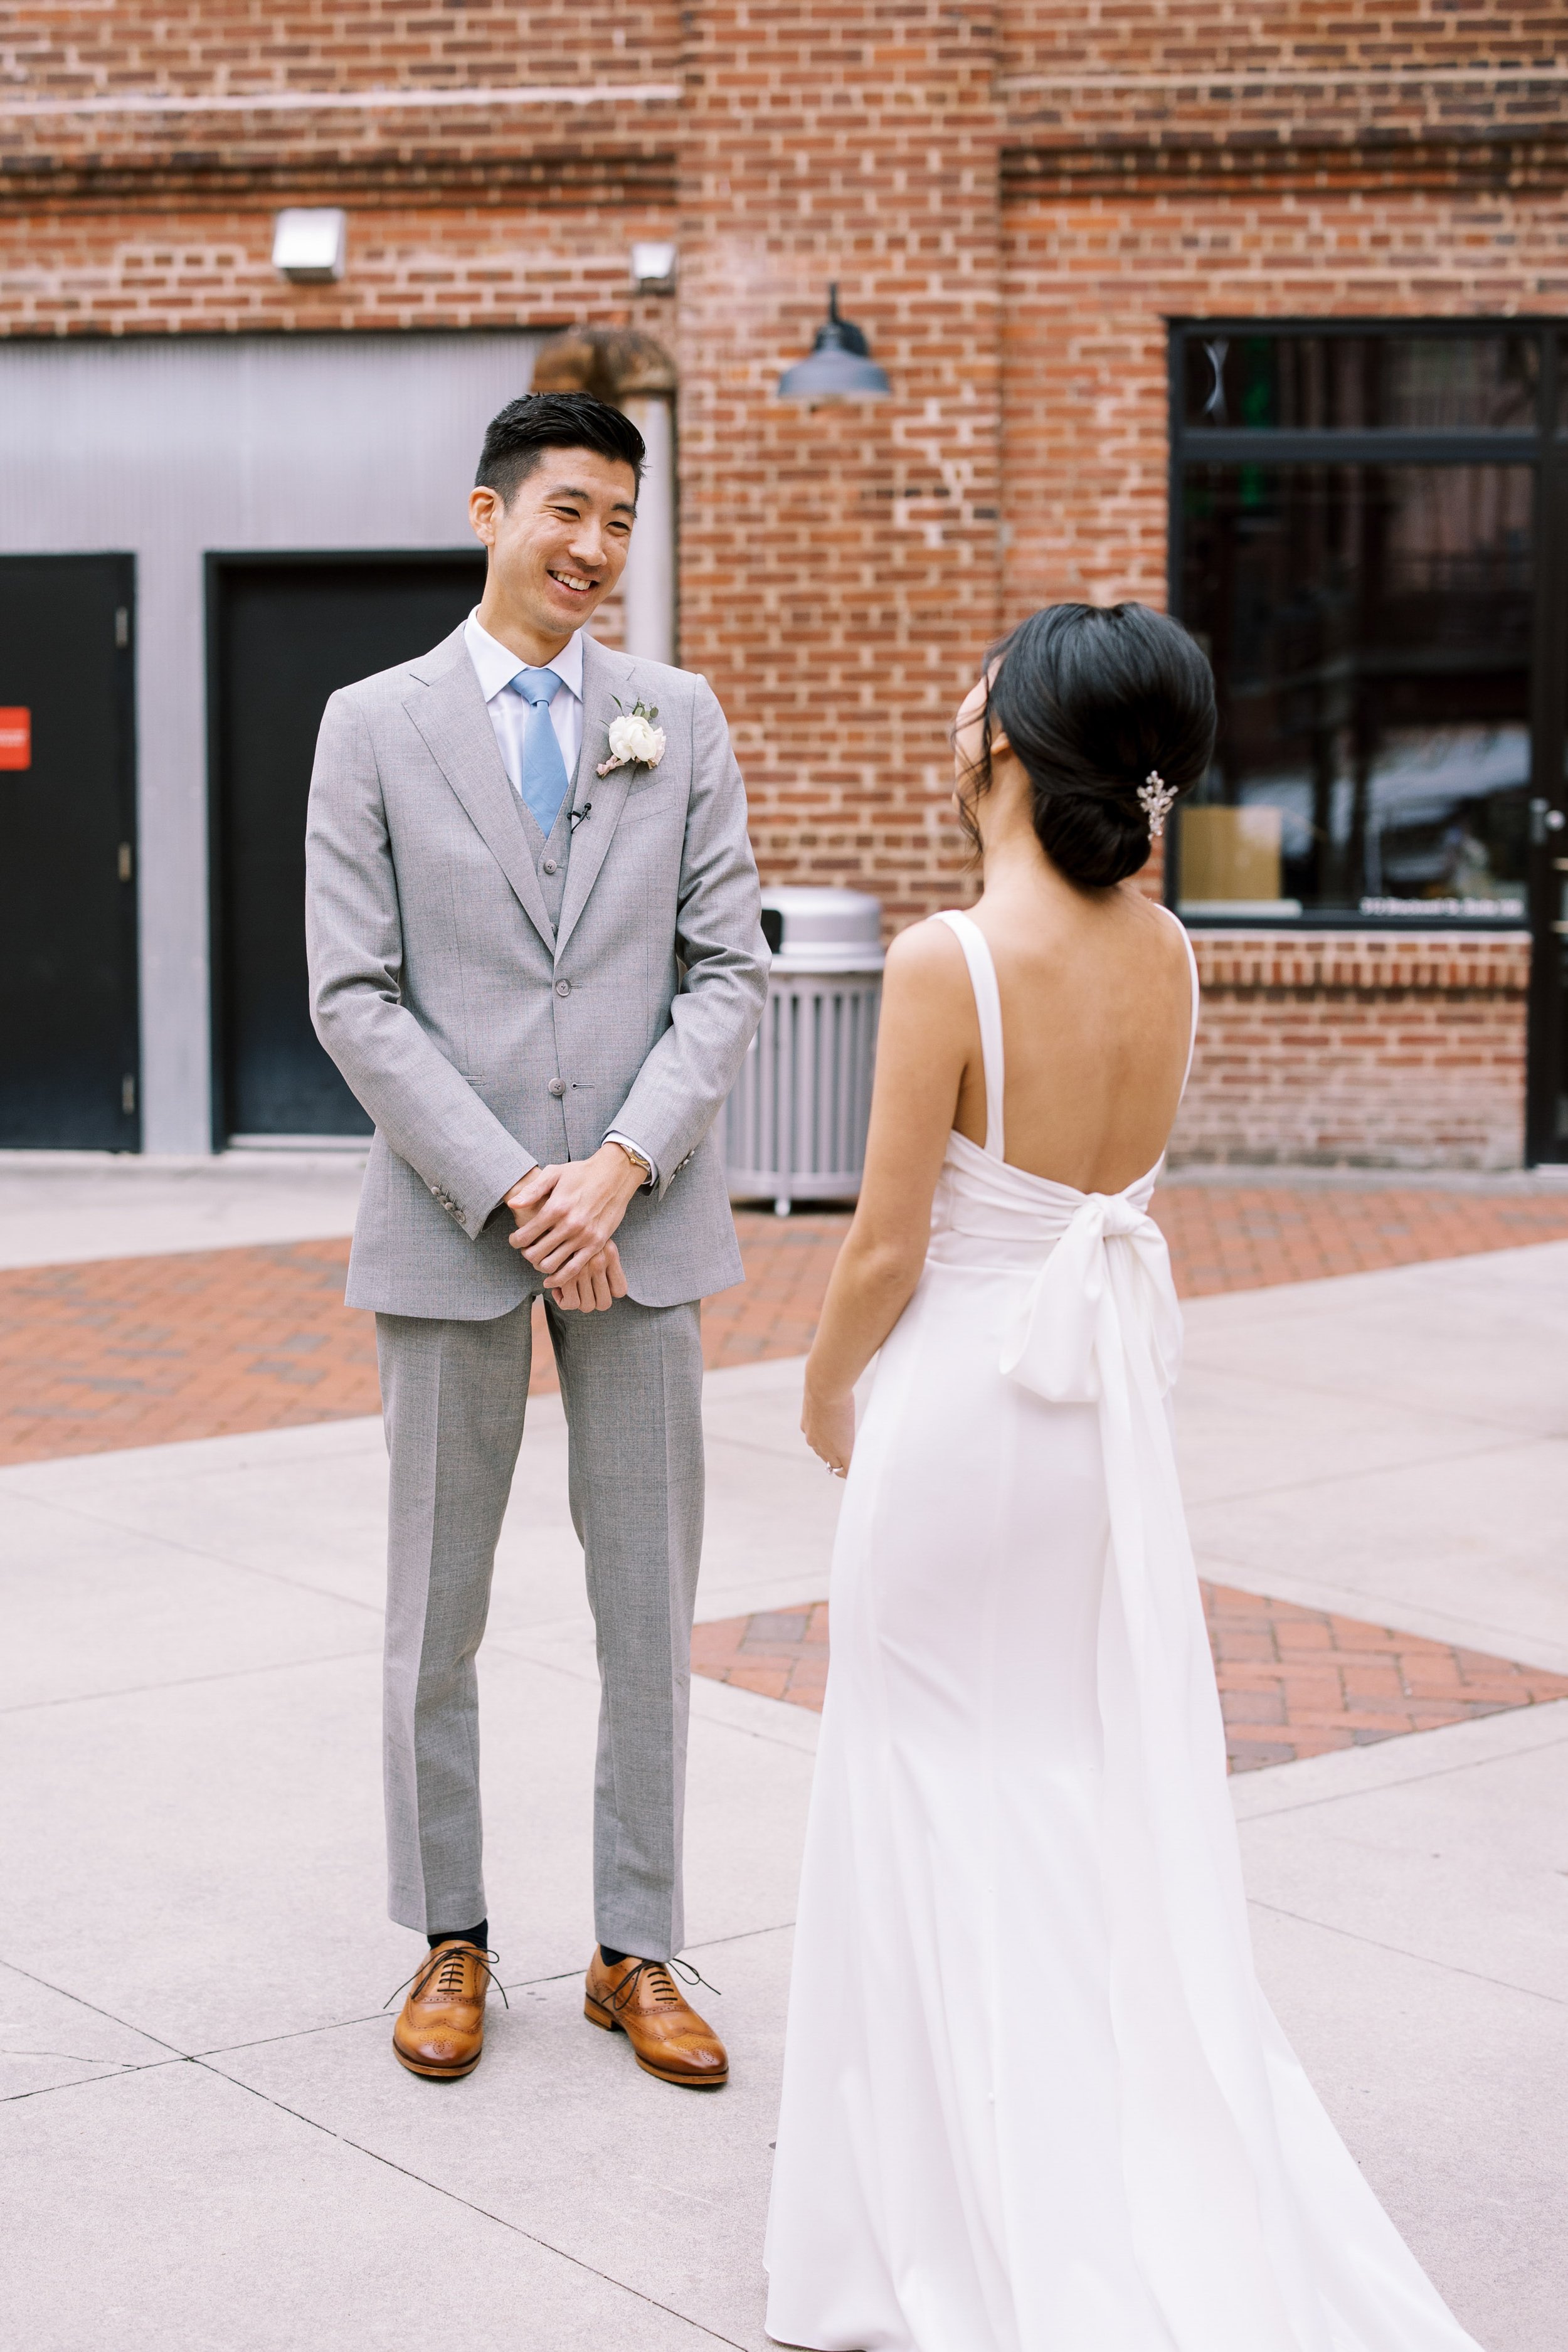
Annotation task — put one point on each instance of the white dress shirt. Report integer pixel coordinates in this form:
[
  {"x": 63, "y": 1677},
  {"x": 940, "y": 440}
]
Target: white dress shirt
[{"x": 495, "y": 666}]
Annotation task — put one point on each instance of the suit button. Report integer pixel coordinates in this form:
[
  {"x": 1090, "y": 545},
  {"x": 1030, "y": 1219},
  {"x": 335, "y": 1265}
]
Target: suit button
[
  {"x": 558, "y": 1087},
  {"x": 562, "y": 988},
  {"x": 550, "y": 866}
]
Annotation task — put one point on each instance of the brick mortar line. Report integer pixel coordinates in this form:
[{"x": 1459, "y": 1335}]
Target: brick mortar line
[
  {"x": 145, "y": 103},
  {"x": 1298, "y": 79}
]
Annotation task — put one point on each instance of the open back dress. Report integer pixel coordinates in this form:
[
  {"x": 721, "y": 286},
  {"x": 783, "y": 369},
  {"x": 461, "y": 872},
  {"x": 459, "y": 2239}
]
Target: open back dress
[{"x": 1033, "y": 2098}]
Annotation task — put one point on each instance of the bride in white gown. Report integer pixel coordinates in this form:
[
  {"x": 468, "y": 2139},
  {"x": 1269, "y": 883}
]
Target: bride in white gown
[{"x": 1033, "y": 2098}]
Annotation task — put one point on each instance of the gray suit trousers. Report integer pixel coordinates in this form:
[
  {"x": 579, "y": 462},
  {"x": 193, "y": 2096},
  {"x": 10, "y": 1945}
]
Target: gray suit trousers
[{"x": 454, "y": 1396}]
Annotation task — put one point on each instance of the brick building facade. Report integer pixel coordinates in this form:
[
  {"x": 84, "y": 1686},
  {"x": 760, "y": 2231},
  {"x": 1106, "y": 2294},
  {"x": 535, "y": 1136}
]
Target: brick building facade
[{"x": 1016, "y": 202}]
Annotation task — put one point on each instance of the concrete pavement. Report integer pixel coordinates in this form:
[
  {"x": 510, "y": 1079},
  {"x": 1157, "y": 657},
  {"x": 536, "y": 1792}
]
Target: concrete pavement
[
  {"x": 206, "y": 2142},
  {"x": 65, "y": 1208}
]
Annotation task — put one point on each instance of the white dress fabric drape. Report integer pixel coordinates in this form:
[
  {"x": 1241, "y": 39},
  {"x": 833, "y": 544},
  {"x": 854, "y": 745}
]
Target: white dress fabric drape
[{"x": 1033, "y": 2098}]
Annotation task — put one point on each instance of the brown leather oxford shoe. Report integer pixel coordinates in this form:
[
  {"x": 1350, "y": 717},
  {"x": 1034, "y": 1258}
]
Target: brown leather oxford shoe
[
  {"x": 440, "y": 2030},
  {"x": 641, "y": 2000}
]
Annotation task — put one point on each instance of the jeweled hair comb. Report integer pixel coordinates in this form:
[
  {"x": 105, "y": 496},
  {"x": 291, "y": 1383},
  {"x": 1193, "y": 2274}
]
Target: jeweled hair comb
[{"x": 1156, "y": 800}]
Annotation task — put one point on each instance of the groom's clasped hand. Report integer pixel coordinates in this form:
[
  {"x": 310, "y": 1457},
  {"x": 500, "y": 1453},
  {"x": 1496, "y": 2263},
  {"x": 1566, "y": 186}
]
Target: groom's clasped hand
[{"x": 565, "y": 1220}]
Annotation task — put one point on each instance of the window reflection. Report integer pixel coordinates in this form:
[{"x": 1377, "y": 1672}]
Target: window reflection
[
  {"x": 1370, "y": 631},
  {"x": 1238, "y": 382}
]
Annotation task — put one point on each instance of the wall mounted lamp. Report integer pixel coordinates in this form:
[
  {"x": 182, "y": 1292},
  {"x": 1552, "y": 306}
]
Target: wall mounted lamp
[{"x": 840, "y": 366}]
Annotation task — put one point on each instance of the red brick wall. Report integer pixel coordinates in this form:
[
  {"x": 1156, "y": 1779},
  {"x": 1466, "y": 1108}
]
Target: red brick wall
[
  {"x": 1404, "y": 1052},
  {"x": 839, "y": 571},
  {"x": 225, "y": 66},
  {"x": 1013, "y": 198},
  {"x": 190, "y": 270},
  {"x": 1088, "y": 285}
]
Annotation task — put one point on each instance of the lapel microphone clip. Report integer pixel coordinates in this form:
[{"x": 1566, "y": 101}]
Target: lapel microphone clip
[{"x": 577, "y": 815}]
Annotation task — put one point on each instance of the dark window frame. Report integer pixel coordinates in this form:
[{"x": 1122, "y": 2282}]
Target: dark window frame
[{"x": 1545, "y": 449}]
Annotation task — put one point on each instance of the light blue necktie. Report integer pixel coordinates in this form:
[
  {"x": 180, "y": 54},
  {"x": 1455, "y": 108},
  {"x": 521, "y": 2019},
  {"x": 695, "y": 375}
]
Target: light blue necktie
[{"x": 544, "y": 770}]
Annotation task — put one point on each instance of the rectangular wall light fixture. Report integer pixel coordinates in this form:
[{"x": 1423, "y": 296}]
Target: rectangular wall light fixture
[{"x": 308, "y": 245}]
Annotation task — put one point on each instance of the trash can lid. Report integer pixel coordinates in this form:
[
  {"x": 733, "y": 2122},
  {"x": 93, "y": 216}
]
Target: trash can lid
[{"x": 827, "y": 931}]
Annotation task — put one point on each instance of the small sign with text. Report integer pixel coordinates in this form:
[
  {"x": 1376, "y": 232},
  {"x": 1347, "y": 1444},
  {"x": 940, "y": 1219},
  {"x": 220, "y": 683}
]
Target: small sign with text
[{"x": 15, "y": 738}]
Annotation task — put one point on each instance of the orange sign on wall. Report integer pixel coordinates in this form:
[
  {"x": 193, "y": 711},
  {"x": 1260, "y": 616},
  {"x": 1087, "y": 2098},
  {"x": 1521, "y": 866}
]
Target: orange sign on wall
[{"x": 15, "y": 738}]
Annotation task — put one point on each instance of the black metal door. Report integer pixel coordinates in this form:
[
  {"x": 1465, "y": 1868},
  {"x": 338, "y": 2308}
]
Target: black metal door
[
  {"x": 1547, "y": 1119},
  {"x": 69, "y": 1067},
  {"x": 284, "y": 633}
]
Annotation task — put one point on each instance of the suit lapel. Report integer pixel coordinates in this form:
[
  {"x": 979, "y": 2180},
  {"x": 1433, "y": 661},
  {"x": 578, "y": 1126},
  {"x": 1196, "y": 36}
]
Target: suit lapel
[
  {"x": 603, "y": 677},
  {"x": 450, "y": 715}
]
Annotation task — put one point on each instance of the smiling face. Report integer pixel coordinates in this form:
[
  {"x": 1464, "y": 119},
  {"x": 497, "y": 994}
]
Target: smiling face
[{"x": 557, "y": 547}]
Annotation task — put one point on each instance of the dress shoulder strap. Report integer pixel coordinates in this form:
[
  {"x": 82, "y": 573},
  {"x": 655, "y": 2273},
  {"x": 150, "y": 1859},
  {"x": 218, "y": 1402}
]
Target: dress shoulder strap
[
  {"x": 988, "y": 1006},
  {"x": 1192, "y": 971}
]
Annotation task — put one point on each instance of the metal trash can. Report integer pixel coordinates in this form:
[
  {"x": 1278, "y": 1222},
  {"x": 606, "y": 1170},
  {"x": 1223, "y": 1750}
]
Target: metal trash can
[{"x": 795, "y": 1125}]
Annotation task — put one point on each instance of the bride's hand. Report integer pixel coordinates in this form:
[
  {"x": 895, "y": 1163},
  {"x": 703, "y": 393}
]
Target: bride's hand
[
  {"x": 599, "y": 1285},
  {"x": 827, "y": 1423}
]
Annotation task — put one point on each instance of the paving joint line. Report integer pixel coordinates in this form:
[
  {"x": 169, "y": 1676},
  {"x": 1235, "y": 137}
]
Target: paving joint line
[
  {"x": 196, "y": 1551},
  {"x": 1408, "y": 1779},
  {"x": 116, "y": 2070},
  {"x": 751, "y": 1445},
  {"x": 183, "y": 1682},
  {"x": 529, "y": 2237},
  {"x": 46, "y": 1463},
  {"x": 113, "y": 2073},
  {"x": 176, "y": 2056},
  {"x": 1241, "y": 1576},
  {"x": 516, "y": 1984},
  {"x": 1375, "y": 1470},
  {"x": 1514, "y": 1443},
  {"x": 589, "y": 1673},
  {"x": 1403, "y": 1952}
]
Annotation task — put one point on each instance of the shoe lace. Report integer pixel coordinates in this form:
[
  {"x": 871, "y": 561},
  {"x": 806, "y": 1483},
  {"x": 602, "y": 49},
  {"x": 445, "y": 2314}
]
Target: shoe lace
[
  {"x": 445, "y": 1967},
  {"x": 665, "y": 1992}
]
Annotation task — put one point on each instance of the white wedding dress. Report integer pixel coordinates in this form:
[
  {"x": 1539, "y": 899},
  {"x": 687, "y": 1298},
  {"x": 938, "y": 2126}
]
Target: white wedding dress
[{"x": 1033, "y": 2098}]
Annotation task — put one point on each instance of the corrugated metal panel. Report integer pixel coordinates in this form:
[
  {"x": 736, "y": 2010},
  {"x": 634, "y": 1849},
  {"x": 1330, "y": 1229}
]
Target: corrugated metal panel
[
  {"x": 166, "y": 449},
  {"x": 795, "y": 1125}
]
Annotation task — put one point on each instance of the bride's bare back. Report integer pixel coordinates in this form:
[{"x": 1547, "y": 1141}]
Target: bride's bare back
[
  {"x": 1068, "y": 754},
  {"x": 1096, "y": 994}
]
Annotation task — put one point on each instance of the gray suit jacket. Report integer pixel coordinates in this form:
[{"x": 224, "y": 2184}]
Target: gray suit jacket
[{"x": 480, "y": 1038}]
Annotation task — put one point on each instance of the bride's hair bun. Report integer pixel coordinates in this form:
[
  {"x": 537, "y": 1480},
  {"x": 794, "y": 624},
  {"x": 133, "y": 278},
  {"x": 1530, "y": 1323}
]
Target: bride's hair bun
[{"x": 1091, "y": 697}]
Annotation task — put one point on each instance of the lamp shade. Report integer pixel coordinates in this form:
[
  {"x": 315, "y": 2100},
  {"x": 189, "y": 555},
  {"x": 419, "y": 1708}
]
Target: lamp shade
[{"x": 840, "y": 366}]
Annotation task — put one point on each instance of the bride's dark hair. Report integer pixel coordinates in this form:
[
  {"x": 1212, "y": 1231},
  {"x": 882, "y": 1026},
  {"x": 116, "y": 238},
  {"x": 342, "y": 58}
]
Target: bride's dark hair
[{"x": 1091, "y": 697}]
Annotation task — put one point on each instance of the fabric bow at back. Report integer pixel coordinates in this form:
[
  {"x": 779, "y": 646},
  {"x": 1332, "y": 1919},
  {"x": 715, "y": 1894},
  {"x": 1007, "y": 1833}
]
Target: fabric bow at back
[{"x": 1103, "y": 1293}]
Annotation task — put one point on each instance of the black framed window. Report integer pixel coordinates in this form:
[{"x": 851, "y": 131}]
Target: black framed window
[{"x": 1366, "y": 540}]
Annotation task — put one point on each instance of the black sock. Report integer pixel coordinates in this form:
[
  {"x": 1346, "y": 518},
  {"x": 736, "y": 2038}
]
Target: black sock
[
  {"x": 611, "y": 1960},
  {"x": 479, "y": 1936}
]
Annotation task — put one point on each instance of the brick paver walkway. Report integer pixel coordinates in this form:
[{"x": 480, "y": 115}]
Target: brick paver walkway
[
  {"x": 1292, "y": 1682},
  {"x": 211, "y": 1343},
  {"x": 779, "y": 1653},
  {"x": 138, "y": 1351},
  {"x": 1244, "y": 1237}
]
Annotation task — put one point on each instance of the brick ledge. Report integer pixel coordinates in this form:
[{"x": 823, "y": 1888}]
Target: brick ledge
[{"x": 1487, "y": 963}]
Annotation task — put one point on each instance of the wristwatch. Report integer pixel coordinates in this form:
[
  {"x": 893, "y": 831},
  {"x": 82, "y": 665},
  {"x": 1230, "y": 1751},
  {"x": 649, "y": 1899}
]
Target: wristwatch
[{"x": 638, "y": 1159}]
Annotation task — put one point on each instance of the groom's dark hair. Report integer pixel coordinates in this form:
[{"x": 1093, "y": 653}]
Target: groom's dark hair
[{"x": 516, "y": 440}]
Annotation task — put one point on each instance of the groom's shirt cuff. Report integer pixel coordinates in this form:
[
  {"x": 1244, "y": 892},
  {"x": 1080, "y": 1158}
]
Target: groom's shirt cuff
[{"x": 649, "y": 1182}]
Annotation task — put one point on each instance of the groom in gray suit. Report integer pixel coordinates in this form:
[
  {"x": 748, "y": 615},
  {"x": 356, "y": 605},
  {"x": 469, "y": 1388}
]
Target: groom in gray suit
[{"x": 536, "y": 958}]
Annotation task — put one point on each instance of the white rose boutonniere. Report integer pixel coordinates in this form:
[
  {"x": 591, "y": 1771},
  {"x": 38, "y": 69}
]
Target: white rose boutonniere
[{"x": 634, "y": 740}]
